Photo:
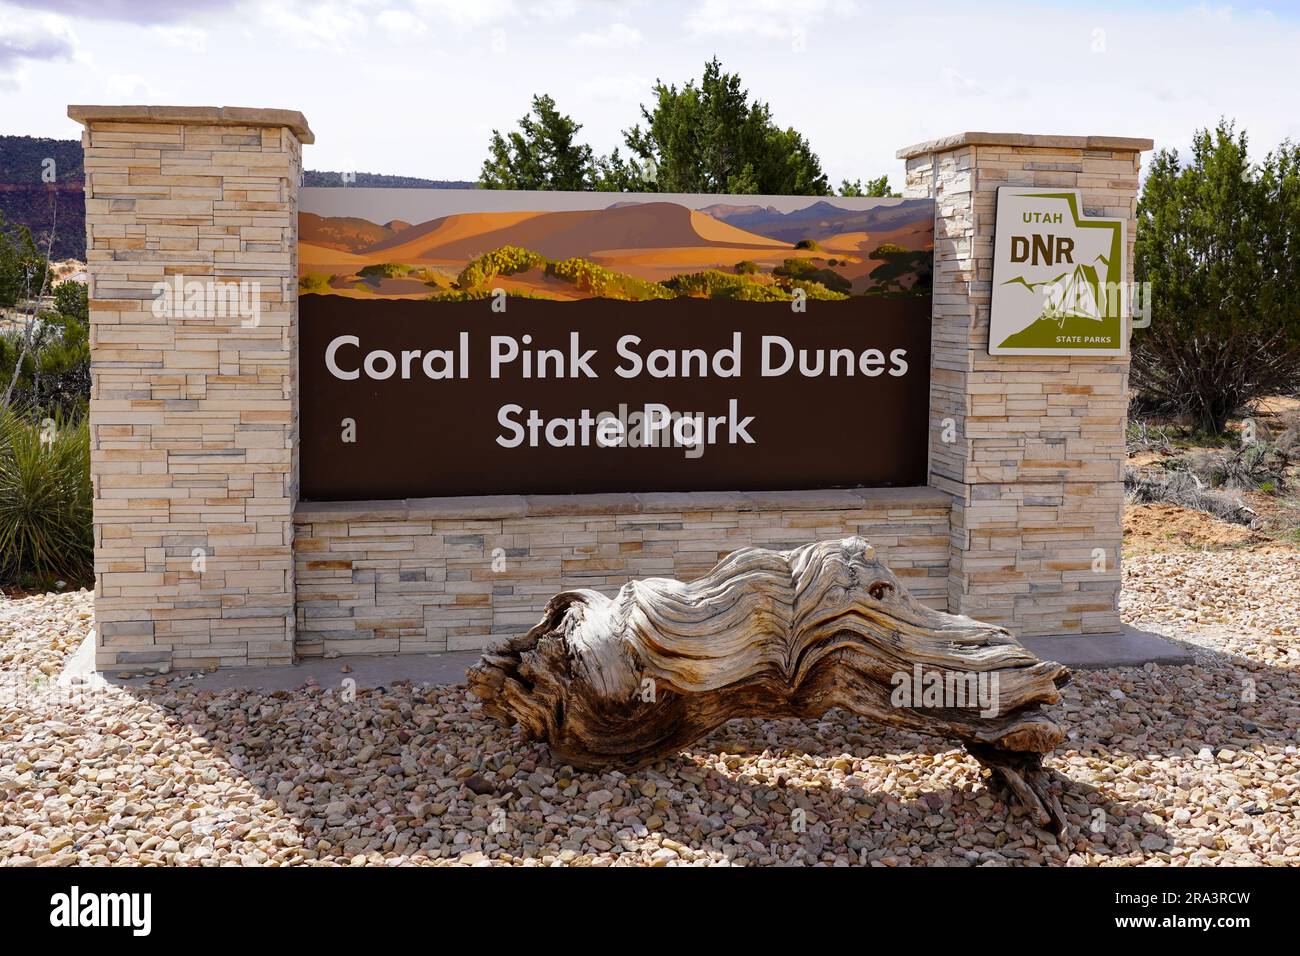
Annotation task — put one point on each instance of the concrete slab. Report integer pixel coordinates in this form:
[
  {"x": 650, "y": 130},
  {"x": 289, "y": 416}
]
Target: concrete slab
[
  {"x": 81, "y": 664},
  {"x": 1128, "y": 648},
  {"x": 367, "y": 670}
]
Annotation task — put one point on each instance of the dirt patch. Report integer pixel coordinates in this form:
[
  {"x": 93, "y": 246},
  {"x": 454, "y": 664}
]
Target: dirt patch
[
  {"x": 1147, "y": 459},
  {"x": 1264, "y": 487},
  {"x": 1277, "y": 411},
  {"x": 1163, "y": 527}
]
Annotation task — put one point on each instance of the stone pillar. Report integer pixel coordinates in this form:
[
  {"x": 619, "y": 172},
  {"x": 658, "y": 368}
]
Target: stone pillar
[
  {"x": 193, "y": 411},
  {"x": 1036, "y": 465}
]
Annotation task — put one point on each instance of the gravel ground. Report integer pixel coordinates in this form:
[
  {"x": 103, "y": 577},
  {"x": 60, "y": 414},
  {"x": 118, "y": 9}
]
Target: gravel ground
[{"x": 1171, "y": 766}]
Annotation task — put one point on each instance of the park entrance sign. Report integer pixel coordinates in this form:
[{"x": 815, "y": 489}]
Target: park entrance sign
[
  {"x": 478, "y": 342},
  {"x": 432, "y": 410},
  {"x": 1058, "y": 276}
]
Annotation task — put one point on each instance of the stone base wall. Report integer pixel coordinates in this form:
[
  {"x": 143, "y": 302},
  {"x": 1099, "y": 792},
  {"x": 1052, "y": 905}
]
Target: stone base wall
[{"x": 463, "y": 573}]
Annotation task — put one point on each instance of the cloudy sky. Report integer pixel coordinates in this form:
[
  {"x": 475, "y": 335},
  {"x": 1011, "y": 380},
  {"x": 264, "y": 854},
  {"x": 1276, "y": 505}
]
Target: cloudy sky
[{"x": 416, "y": 87}]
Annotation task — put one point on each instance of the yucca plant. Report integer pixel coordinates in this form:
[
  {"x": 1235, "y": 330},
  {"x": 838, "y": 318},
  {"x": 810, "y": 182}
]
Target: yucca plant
[{"x": 45, "y": 501}]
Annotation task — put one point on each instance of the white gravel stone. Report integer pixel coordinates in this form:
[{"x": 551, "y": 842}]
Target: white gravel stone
[{"x": 1189, "y": 765}]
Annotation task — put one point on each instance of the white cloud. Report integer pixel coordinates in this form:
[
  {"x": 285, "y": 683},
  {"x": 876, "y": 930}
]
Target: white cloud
[
  {"x": 191, "y": 39},
  {"x": 616, "y": 36},
  {"x": 402, "y": 23},
  {"x": 142, "y": 12},
  {"x": 332, "y": 26},
  {"x": 551, "y": 10},
  {"x": 459, "y": 14},
  {"x": 769, "y": 19},
  {"x": 626, "y": 88},
  {"x": 27, "y": 37},
  {"x": 130, "y": 87},
  {"x": 960, "y": 85}
]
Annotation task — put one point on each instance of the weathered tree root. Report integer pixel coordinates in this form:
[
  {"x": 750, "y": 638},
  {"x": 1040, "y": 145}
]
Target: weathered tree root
[{"x": 623, "y": 682}]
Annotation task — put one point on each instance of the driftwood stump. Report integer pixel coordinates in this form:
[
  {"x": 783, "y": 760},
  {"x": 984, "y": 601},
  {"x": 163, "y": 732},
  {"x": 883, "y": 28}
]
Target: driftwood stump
[{"x": 617, "y": 683}]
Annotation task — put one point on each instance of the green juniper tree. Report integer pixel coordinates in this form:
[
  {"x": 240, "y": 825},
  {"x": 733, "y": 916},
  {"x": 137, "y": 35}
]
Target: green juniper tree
[
  {"x": 712, "y": 138},
  {"x": 878, "y": 187},
  {"x": 1217, "y": 239},
  {"x": 541, "y": 154},
  {"x": 22, "y": 266},
  {"x": 25, "y": 276},
  {"x": 705, "y": 138},
  {"x": 46, "y": 367}
]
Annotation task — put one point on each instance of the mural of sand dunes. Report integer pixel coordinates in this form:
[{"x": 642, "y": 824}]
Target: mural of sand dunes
[{"x": 458, "y": 244}]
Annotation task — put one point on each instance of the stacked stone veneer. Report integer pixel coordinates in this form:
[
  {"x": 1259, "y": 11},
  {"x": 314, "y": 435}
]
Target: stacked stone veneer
[
  {"x": 1036, "y": 467},
  {"x": 454, "y": 573},
  {"x": 194, "y": 428},
  {"x": 194, "y": 418}
]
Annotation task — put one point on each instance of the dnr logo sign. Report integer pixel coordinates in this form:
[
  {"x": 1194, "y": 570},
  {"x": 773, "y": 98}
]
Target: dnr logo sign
[{"x": 1058, "y": 276}]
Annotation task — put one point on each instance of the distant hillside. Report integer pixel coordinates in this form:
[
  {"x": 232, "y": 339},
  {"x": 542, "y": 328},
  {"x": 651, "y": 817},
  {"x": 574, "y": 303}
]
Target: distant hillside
[
  {"x": 821, "y": 220},
  {"x": 332, "y": 177},
  {"x": 345, "y": 233},
  {"x": 22, "y": 159},
  {"x": 28, "y": 201}
]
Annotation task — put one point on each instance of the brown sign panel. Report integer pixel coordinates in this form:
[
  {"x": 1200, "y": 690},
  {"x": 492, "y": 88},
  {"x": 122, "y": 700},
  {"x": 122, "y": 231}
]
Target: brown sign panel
[
  {"x": 765, "y": 398},
  {"x": 470, "y": 342}
]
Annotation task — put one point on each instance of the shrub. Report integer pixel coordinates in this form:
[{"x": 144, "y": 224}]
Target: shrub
[
  {"x": 896, "y": 265},
  {"x": 746, "y": 267},
  {"x": 384, "y": 270},
  {"x": 1143, "y": 436},
  {"x": 715, "y": 284},
  {"x": 795, "y": 268},
  {"x": 1216, "y": 238},
  {"x": 45, "y": 501},
  {"x": 505, "y": 261},
  {"x": 61, "y": 380},
  {"x": 753, "y": 292},
  {"x": 707, "y": 283},
  {"x": 1249, "y": 468},
  {"x": 55, "y": 373},
  {"x": 1289, "y": 439},
  {"x": 478, "y": 295},
  {"x": 72, "y": 299},
  {"x": 23, "y": 269},
  {"x": 1184, "y": 489},
  {"x": 812, "y": 244},
  {"x": 313, "y": 282},
  {"x": 600, "y": 281},
  {"x": 812, "y": 289},
  {"x": 807, "y": 270}
]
